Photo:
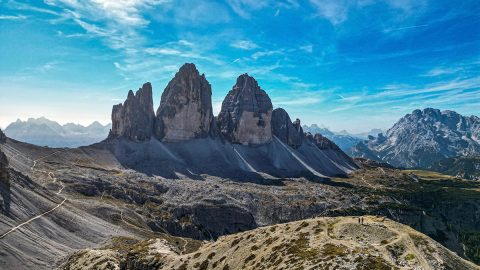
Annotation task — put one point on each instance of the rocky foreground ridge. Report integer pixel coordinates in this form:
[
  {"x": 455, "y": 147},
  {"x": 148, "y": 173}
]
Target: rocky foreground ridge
[
  {"x": 321, "y": 243},
  {"x": 423, "y": 137},
  {"x": 247, "y": 135}
]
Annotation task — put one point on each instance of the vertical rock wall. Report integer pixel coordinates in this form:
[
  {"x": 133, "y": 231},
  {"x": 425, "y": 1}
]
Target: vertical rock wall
[
  {"x": 185, "y": 110},
  {"x": 246, "y": 113}
]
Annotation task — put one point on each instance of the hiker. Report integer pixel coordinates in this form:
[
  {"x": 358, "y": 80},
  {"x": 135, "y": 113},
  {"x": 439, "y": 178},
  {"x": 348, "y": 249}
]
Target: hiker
[{"x": 358, "y": 220}]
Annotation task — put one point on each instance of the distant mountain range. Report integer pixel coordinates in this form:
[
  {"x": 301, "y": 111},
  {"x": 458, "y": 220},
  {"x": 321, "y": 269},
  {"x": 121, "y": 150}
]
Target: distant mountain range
[
  {"x": 345, "y": 140},
  {"x": 44, "y": 132},
  {"x": 423, "y": 138}
]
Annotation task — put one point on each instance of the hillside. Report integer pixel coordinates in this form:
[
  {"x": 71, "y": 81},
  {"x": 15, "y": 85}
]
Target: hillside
[
  {"x": 463, "y": 167},
  {"x": 106, "y": 199},
  {"x": 320, "y": 243}
]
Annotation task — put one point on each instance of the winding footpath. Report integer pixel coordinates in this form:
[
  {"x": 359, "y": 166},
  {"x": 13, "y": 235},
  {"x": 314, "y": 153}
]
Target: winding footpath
[{"x": 54, "y": 179}]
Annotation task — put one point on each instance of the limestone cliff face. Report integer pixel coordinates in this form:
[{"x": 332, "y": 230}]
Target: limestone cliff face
[
  {"x": 288, "y": 132},
  {"x": 246, "y": 113},
  {"x": 134, "y": 119},
  {"x": 185, "y": 110}
]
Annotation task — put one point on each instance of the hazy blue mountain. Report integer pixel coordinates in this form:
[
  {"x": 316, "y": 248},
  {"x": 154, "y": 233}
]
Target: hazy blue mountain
[
  {"x": 363, "y": 135},
  {"x": 44, "y": 132},
  {"x": 344, "y": 140}
]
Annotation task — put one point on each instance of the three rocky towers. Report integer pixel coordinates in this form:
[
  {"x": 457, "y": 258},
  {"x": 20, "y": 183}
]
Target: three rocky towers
[{"x": 185, "y": 112}]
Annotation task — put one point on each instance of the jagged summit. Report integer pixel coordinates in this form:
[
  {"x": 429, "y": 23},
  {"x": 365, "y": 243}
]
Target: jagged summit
[
  {"x": 185, "y": 110},
  {"x": 423, "y": 137},
  {"x": 134, "y": 119},
  {"x": 239, "y": 141},
  {"x": 283, "y": 128},
  {"x": 246, "y": 113}
]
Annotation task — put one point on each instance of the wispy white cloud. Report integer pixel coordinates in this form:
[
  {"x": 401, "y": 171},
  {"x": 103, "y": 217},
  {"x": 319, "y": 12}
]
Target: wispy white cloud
[
  {"x": 244, "y": 45},
  {"x": 335, "y": 11},
  {"x": 389, "y": 30},
  {"x": 456, "y": 68},
  {"x": 440, "y": 86},
  {"x": 407, "y": 97},
  {"x": 27, "y": 73},
  {"x": 164, "y": 51},
  {"x": 24, "y": 6},
  {"x": 243, "y": 8},
  {"x": 13, "y": 17},
  {"x": 297, "y": 101},
  {"x": 192, "y": 13},
  {"x": 261, "y": 54},
  {"x": 49, "y": 66},
  {"x": 74, "y": 35},
  {"x": 438, "y": 71},
  {"x": 117, "y": 22},
  {"x": 307, "y": 48}
]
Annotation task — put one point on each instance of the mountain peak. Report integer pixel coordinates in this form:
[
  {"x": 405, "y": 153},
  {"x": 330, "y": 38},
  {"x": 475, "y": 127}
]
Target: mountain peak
[
  {"x": 285, "y": 130},
  {"x": 185, "y": 110},
  {"x": 246, "y": 113},
  {"x": 135, "y": 117},
  {"x": 426, "y": 136}
]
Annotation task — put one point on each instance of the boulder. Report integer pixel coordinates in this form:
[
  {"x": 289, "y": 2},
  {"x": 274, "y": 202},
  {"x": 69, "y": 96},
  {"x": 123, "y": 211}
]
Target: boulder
[
  {"x": 246, "y": 113},
  {"x": 134, "y": 119},
  {"x": 286, "y": 131},
  {"x": 185, "y": 110}
]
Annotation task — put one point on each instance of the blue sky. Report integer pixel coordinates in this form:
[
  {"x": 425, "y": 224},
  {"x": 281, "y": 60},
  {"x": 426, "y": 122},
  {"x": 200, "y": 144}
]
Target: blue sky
[{"x": 351, "y": 65}]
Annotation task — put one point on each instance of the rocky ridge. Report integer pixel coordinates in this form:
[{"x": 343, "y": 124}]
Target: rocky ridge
[
  {"x": 287, "y": 131},
  {"x": 423, "y": 137},
  {"x": 321, "y": 243},
  {"x": 134, "y": 119}
]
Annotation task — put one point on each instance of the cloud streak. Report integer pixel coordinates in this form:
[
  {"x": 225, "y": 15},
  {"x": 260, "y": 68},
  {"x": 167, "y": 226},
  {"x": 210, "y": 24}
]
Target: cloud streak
[
  {"x": 244, "y": 45},
  {"x": 13, "y": 17}
]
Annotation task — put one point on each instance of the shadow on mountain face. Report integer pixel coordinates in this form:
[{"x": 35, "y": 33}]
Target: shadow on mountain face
[
  {"x": 200, "y": 158},
  {"x": 5, "y": 193},
  {"x": 4, "y": 180}
]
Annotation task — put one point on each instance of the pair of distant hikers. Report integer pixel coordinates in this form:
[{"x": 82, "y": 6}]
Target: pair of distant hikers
[{"x": 360, "y": 220}]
